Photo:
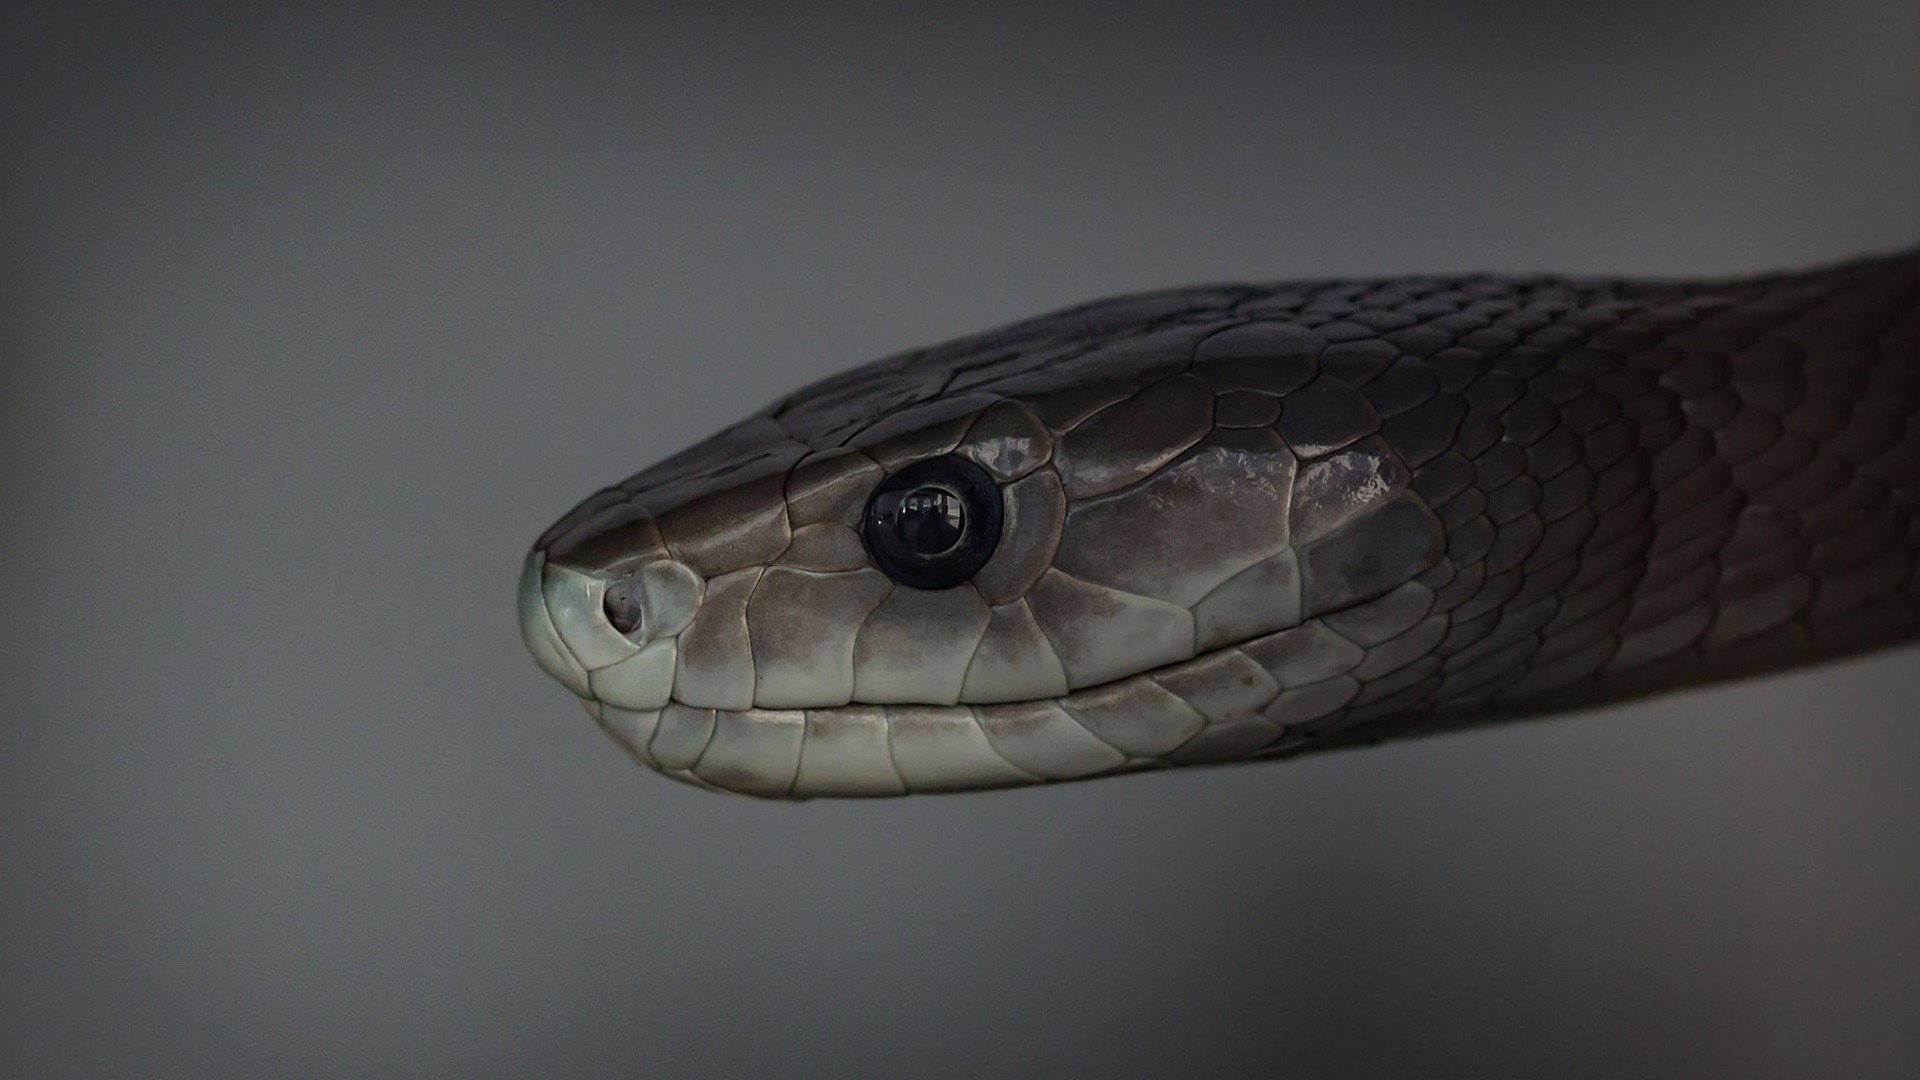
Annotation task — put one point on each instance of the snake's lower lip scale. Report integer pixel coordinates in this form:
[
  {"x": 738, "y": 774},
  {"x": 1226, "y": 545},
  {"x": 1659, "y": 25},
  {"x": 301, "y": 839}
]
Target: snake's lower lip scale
[{"x": 1244, "y": 522}]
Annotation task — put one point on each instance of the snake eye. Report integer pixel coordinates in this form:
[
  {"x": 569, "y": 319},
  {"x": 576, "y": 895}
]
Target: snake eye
[{"x": 933, "y": 524}]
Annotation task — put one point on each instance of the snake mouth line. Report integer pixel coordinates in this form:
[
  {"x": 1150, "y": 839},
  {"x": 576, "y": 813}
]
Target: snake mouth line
[
  {"x": 1016, "y": 703},
  {"x": 1215, "y": 706}
]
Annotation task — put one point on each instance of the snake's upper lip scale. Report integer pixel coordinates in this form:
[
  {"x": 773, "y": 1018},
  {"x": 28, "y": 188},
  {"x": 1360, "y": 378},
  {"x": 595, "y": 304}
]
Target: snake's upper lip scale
[{"x": 588, "y": 643}]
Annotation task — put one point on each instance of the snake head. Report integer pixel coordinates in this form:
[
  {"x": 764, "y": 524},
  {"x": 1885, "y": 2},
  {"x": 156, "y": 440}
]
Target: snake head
[
  {"x": 1033, "y": 556},
  {"x": 1227, "y": 523}
]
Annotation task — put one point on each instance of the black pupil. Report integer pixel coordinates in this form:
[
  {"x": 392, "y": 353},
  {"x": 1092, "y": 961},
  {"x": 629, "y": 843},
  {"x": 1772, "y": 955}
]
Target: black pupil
[
  {"x": 930, "y": 520},
  {"x": 934, "y": 523}
]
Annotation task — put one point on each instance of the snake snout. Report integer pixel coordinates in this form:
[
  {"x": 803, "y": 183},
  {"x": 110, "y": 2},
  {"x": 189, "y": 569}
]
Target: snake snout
[
  {"x": 537, "y": 628},
  {"x": 608, "y": 634}
]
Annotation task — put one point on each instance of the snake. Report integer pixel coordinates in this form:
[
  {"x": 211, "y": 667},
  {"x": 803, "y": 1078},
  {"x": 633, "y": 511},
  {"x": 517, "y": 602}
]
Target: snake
[{"x": 1245, "y": 522}]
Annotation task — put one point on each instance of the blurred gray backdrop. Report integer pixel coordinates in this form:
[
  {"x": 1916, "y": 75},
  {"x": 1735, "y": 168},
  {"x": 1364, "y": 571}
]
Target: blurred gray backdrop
[{"x": 313, "y": 319}]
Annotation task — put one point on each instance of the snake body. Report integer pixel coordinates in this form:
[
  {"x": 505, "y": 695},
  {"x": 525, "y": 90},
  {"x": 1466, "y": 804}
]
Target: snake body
[{"x": 1252, "y": 521}]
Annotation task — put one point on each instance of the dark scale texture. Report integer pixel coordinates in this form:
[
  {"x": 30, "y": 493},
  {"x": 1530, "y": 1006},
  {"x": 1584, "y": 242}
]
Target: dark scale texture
[{"x": 1687, "y": 484}]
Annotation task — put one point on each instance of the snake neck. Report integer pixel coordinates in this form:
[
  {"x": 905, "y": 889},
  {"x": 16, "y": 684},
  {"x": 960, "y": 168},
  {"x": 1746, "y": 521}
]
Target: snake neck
[
  {"x": 1709, "y": 481},
  {"x": 1780, "y": 511}
]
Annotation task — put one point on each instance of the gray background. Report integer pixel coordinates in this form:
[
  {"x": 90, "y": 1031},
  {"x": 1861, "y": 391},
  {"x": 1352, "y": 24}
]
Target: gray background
[{"x": 312, "y": 321}]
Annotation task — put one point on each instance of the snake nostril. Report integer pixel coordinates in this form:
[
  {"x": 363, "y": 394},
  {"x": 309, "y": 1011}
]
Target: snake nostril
[{"x": 625, "y": 605}]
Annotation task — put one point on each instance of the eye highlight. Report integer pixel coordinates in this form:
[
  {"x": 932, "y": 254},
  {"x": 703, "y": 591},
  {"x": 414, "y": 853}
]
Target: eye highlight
[{"x": 933, "y": 524}]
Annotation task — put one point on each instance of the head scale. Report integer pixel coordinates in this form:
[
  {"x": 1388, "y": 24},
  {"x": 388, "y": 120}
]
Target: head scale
[{"x": 1099, "y": 541}]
